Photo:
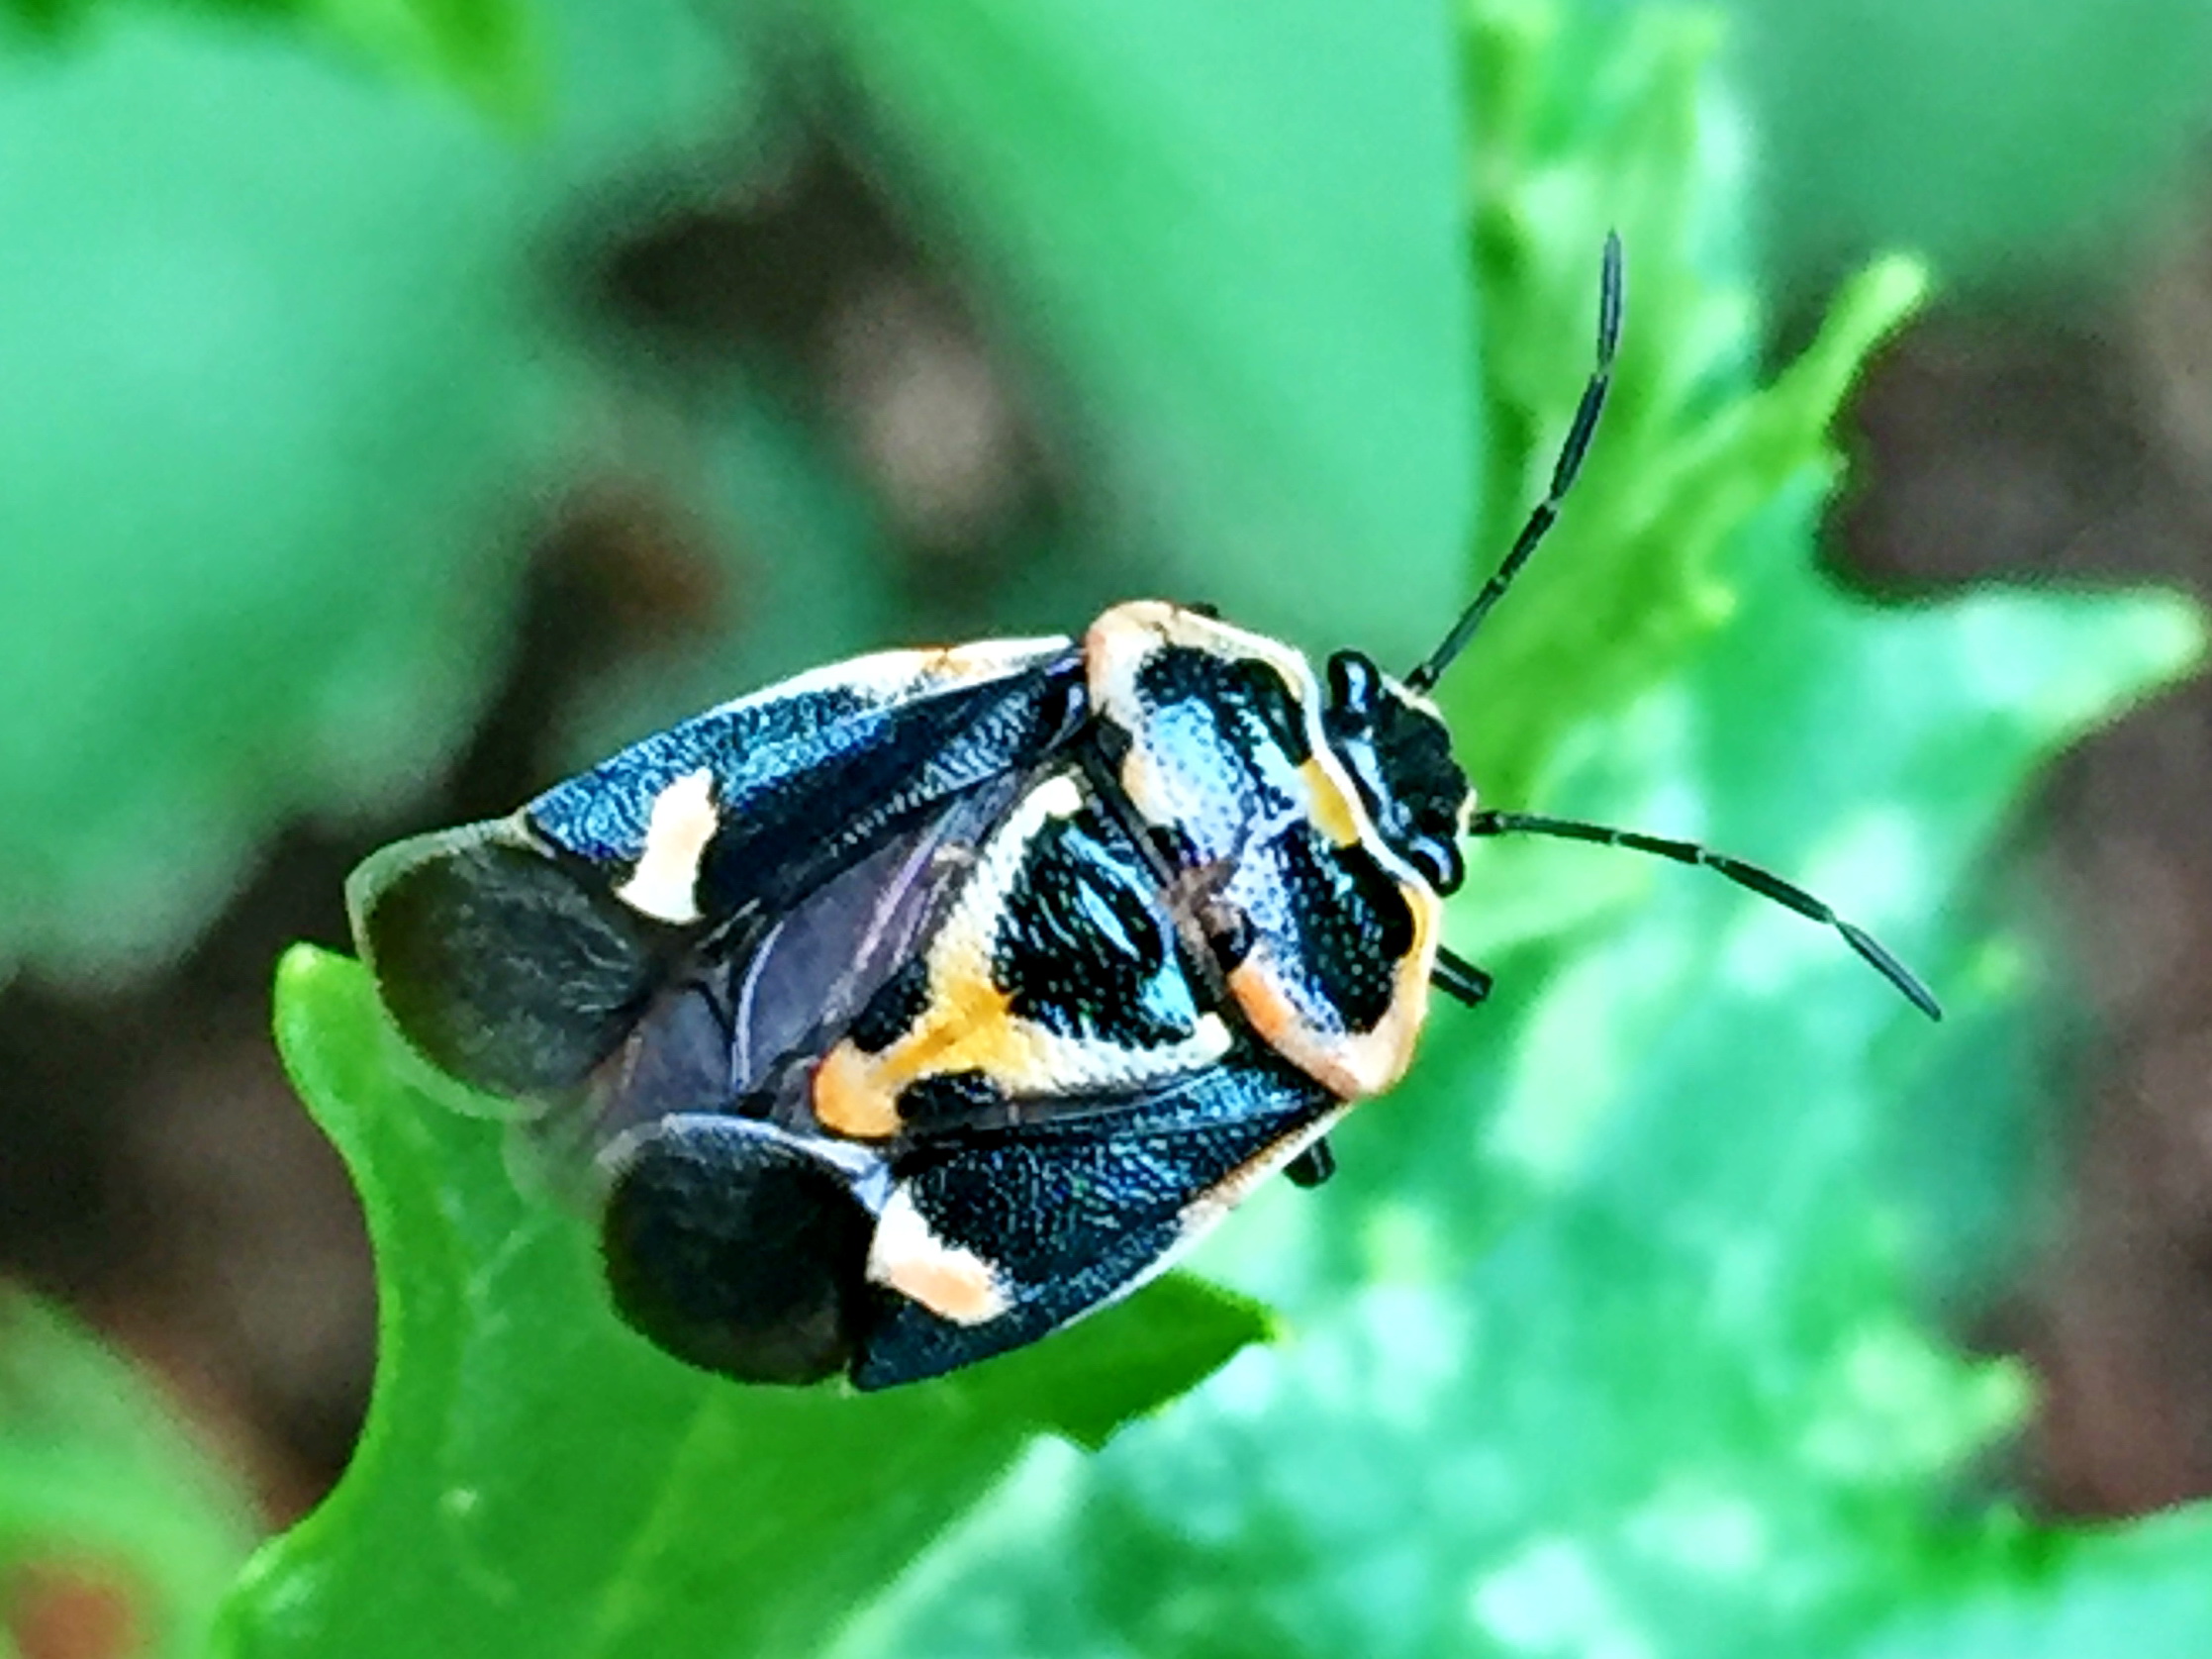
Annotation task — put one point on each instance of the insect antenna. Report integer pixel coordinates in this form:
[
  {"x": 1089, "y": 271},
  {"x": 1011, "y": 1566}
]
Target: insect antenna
[
  {"x": 1570, "y": 462},
  {"x": 1761, "y": 882}
]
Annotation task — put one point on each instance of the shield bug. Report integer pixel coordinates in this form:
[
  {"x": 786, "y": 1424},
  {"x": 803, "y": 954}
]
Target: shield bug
[{"x": 910, "y": 1008}]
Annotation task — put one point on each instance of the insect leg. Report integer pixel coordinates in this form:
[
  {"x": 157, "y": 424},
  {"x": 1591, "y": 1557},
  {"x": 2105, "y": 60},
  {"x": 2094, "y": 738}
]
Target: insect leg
[
  {"x": 1459, "y": 979},
  {"x": 1313, "y": 1166}
]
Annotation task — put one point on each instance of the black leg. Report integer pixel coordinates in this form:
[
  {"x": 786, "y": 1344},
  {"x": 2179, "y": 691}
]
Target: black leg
[
  {"x": 1313, "y": 1166},
  {"x": 1459, "y": 979}
]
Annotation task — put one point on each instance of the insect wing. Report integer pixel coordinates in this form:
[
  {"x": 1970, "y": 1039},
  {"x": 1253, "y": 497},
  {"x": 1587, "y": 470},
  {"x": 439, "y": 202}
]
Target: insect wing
[
  {"x": 737, "y": 1248},
  {"x": 758, "y": 801},
  {"x": 990, "y": 1241},
  {"x": 738, "y": 1025},
  {"x": 519, "y": 955}
]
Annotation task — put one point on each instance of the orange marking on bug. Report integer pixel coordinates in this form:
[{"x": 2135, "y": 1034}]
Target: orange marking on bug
[
  {"x": 1139, "y": 778},
  {"x": 1331, "y": 810},
  {"x": 968, "y": 1022},
  {"x": 1377, "y": 1058},
  {"x": 1266, "y": 1006},
  {"x": 956, "y": 1288},
  {"x": 1352, "y": 1065},
  {"x": 852, "y": 1098},
  {"x": 968, "y": 1025}
]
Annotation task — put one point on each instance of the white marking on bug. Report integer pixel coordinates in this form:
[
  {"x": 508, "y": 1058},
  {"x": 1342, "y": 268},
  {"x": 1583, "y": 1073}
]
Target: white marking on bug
[
  {"x": 950, "y": 1280},
  {"x": 1209, "y": 1036},
  {"x": 882, "y": 678},
  {"x": 665, "y": 882},
  {"x": 1059, "y": 796}
]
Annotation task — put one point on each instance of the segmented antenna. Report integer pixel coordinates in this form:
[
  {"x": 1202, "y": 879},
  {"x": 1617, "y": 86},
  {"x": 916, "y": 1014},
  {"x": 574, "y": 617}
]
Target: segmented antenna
[
  {"x": 1761, "y": 882},
  {"x": 1570, "y": 462}
]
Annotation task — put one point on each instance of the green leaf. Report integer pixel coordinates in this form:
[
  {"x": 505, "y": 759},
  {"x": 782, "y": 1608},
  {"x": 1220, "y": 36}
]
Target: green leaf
[
  {"x": 96, "y": 1479},
  {"x": 1633, "y": 577},
  {"x": 488, "y": 49},
  {"x": 1238, "y": 248},
  {"x": 534, "y": 1479},
  {"x": 2141, "y": 1590}
]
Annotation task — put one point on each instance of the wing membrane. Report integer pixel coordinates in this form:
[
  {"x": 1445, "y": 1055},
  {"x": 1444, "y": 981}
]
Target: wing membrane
[{"x": 507, "y": 952}]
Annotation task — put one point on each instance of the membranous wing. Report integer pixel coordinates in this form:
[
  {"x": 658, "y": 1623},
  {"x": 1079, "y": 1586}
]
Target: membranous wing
[{"x": 519, "y": 955}]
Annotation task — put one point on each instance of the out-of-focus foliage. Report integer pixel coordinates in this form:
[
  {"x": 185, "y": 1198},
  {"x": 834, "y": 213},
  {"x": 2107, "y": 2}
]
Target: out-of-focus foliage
[
  {"x": 1240, "y": 249},
  {"x": 284, "y": 383},
  {"x": 2011, "y": 140},
  {"x": 487, "y": 48},
  {"x": 309, "y": 315},
  {"x": 99, "y": 1491}
]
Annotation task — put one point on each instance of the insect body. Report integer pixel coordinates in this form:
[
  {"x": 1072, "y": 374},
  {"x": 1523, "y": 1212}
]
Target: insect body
[{"x": 918, "y": 1006}]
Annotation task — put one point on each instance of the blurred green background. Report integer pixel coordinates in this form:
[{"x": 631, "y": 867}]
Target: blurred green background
[{"x": 402, "y": 402}]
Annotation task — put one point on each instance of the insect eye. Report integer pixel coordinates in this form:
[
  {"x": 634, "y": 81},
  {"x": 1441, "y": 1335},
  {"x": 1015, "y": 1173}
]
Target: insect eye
[{"x": 1439, "y": 863}]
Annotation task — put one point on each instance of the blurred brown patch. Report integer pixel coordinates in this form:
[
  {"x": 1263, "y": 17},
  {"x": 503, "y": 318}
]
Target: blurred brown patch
[
  {"x": 72, "y": 1610},
  {"x": 811, "y": 272},
  {"x": 2077, "y": 448}
]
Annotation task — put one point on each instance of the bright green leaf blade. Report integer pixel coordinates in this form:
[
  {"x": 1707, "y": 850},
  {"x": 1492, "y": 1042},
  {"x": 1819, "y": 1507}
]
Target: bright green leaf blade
[
  {"x": 96, "y": 1476},
  {"x": 1239, "y": 246},
  {"x": 491, "y": 50},
  {"x": 1088, "y": 1382},
  {"x": 484, "y": 48},
  {"x": 536, "y": 1480}
]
